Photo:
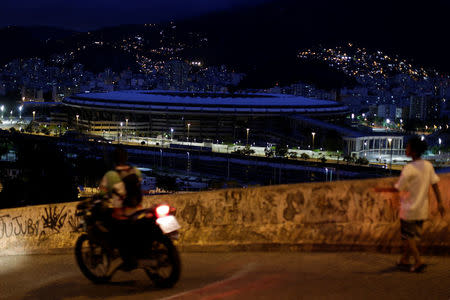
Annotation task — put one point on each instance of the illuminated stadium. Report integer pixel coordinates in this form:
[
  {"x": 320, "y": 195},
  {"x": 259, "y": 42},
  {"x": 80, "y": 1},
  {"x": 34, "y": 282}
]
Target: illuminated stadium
[{"x": 196, "y": 115}]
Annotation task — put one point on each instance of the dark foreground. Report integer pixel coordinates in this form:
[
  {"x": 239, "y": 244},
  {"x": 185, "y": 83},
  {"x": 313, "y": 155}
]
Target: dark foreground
[{"x": 280, "y": 275}]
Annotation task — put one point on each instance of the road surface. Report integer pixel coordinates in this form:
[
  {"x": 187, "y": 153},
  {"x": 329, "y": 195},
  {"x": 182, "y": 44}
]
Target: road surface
[{"x": 272, "y": 275}]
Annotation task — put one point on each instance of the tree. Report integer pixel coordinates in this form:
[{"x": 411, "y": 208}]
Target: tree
[
  {"x": 31, "y": 127},
  {"x": 45, "y": 130},
  {"x": 4, "y": 148},
  {"x": 292, "y": 155},
  {"x": 237, "y": 151},
  {"x": 412, "y": 125},
  {"x": 348, "y": 159},
  {"x": 362, "y": 161},
  {"x": 269, "y": 152},
  {"x": 244, "y": 151},
  {"x": 323, "y": 159},
  {"x": 247, "y": 150},
  {"x": 281, "y": 150},
  {"x": 304, "y": 156},
  {"x": 167, "y": 183}
]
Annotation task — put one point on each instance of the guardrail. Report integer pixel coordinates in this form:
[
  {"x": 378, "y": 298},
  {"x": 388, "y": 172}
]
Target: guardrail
[{"x": 341, "y": 215}]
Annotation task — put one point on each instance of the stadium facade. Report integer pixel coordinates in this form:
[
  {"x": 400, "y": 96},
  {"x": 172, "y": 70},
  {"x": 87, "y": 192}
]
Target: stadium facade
[{"x": 198, "y": 116}]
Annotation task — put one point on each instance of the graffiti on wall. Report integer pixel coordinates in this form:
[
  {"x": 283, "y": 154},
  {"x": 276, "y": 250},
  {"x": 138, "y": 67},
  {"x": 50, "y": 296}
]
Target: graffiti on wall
[
  {"x": 17, "y": 226},
  {"x": 50, "y": 222},
  {"x": 54, "y": 219}
]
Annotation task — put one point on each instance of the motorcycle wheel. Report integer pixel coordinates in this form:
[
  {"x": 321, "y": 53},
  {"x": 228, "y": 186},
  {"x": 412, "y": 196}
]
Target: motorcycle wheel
[
  {"x": 92, "y": 259},
  {"x": 168, "y": 267}
]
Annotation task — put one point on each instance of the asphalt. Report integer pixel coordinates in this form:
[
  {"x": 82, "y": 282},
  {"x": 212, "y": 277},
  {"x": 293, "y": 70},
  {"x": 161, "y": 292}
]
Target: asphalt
[{"x": 236, "y": 275}]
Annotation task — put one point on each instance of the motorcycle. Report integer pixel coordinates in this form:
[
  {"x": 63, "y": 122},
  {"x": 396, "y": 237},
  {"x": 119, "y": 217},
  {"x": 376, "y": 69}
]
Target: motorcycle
[{"x": 97, "y": 253}]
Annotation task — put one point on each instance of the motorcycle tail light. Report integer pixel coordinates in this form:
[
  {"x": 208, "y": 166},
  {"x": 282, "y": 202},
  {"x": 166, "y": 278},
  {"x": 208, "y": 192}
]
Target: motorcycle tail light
[{"x": 162, "y": 210}]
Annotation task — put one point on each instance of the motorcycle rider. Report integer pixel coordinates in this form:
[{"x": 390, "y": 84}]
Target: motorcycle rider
[
  {"x": 121, "y": 186},
  {"x": 125, "y": 195}
]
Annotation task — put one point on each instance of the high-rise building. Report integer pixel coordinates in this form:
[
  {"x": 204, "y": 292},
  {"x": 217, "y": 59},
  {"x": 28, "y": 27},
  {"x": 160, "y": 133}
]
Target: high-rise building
[
  {"x": 399, "y": 113},
  {"x": 434, "y": 108},
  {"x": 177, "y": 74},
  {"x": 425, "y": 107},
  {"x": 387, "y": 111},
  {"x": 417, "y": 107}
]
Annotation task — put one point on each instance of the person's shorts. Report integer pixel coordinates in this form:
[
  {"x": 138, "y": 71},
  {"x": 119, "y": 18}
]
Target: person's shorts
[{"x": 411, "y": 229}]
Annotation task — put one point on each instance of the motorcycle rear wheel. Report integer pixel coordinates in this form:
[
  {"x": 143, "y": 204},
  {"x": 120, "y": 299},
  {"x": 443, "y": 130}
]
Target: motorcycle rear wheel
[
  {"x": 93, "y": 260},
  {"x": 168, "y": 266}
]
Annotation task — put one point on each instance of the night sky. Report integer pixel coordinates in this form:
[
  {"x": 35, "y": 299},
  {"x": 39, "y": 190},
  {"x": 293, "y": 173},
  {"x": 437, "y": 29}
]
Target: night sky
[
  {"x": 415, "y": 29},
  {"x": 92, "y": 14}
]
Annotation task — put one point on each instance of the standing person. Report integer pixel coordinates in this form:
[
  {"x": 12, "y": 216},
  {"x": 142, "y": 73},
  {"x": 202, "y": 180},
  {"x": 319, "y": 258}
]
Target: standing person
[{"x": 413, "y": 185}]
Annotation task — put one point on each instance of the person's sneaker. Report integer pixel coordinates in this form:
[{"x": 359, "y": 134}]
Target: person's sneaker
[{"x": 418, "y": 269}]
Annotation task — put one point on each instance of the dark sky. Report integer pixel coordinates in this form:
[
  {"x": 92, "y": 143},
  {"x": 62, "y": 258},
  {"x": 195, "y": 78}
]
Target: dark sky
[{"x": 91, "y": 14}]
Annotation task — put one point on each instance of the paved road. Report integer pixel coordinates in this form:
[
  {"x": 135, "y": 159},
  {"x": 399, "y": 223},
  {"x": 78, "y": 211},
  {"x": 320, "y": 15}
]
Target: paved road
[{"x": 274, "y": 275}]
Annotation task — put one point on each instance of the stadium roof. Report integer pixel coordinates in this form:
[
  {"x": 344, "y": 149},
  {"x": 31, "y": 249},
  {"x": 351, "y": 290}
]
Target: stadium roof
[{"x": 151, "y": 97}]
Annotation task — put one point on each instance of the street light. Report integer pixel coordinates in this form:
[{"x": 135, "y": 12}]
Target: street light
[
  {"x": 2, "y": 109},
  {"x": 34, "y": 115},
  {"x": 313, "y": 134},
  {"x": 189, "y": 127},
  {"x": 126, "y": 128},
  {"x": 121, "y": 130},
  {"x": 248, "y": 129},
  {"x": 20, "y": 112},
  {"x": 440, "y": 142},
  {"x": 171, "y": 134},
  {"x": 390, "y": 147}
]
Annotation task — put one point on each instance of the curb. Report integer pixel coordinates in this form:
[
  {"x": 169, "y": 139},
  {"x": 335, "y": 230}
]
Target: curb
[{"x": 270, "y": 247}]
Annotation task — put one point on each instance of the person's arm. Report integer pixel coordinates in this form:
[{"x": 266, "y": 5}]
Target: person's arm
[
  {"x": 434, "y": 179},
  {"x": 399, "y": 186},
  {"x": 103, "y": 187},
  {"x": 438, "y": 199}
]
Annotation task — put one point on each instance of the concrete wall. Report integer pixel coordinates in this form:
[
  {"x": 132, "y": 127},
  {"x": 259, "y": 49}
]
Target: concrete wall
[
  {"x": 343, "y": 215},
  {"x": 37, "y": 229}
]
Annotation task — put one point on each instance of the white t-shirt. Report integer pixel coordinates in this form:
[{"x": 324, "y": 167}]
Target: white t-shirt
[{"x": 414, "y": 182}]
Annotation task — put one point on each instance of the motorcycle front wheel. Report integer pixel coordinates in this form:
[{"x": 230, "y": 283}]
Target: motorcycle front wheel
[
  {"x": 167, "y": 269},
  {"x": 92, "y": 259}
]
